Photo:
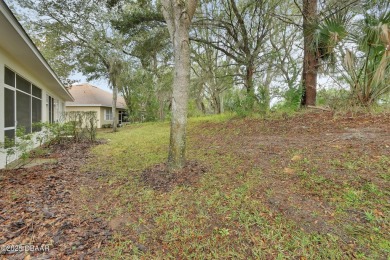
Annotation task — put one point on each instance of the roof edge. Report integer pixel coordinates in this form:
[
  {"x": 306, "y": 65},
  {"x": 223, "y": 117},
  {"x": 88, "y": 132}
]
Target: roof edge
[
  {"x": 90, "y": 105},
  {"x": 83, "y": 105},
  {"x": 22, "y": 32}
]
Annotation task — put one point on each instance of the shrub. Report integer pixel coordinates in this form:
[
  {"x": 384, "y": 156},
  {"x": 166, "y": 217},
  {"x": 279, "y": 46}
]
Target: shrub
[
  {"x": 76, "y": 126},
  {"x": 20, "y": 145},
  {"x": 72, "y": 126}
]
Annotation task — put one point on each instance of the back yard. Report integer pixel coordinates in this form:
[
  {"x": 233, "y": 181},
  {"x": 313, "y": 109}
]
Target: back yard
[{"x": 309, "y": 186}]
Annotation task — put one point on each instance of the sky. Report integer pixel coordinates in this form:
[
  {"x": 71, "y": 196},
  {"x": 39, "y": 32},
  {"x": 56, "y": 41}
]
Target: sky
[
  {"x": 77, "y": 76},
  {"x": 101, "y": 83}
]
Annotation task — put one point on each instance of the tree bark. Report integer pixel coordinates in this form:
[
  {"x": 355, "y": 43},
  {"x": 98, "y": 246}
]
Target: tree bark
[
  {"x": 310, "y": 59},
  {"x": 249, "y": 78},
  {"x": 216, "y": 102},
  {"x": 267, "y": 84},
  {"x": 200, "y": 105},
  {"x": 114, "y": 67},
  {"x": 114, "y": 99},
  {"x": 178, "y": 15}
]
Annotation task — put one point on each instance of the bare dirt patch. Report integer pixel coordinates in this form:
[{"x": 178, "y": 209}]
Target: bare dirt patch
[
  {"x": 307, "y": 161},
  {"x": 160, "y": 178}
]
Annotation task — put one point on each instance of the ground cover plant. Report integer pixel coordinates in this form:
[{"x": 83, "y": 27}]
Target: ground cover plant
[{"x": 307, "y": 186}]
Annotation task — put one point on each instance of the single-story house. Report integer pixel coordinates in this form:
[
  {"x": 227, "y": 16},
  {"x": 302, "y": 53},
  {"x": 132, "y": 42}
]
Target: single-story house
[
  {"x": 90, "y": 98},
  {"x": 30, "y": 91}
]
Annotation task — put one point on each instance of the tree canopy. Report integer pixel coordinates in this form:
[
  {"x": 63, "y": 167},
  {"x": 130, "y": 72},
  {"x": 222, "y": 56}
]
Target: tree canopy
[{"x": 243, "y": 56}]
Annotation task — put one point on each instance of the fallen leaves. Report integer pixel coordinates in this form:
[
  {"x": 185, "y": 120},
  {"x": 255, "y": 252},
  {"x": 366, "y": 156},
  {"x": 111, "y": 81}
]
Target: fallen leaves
[
  {"x": 159, "y": 178},
  {"x": 37, "y": 208}
]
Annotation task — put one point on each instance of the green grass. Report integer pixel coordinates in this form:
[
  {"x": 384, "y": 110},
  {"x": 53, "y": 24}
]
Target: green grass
[{"x": 224, "y": 216}]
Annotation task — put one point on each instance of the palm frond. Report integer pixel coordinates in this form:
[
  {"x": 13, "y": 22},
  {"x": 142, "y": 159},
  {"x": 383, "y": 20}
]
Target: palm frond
[{"x": 329, "y": 33}]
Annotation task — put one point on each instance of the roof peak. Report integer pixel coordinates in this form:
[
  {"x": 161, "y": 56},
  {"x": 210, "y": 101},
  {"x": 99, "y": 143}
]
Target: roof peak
[
  {"x": 87, "y": 94},
  {"x": 82, "y": 84}
]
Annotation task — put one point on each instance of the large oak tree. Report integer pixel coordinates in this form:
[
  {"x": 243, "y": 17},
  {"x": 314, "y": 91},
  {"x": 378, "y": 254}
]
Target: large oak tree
[{"x": 178, "y": 15}]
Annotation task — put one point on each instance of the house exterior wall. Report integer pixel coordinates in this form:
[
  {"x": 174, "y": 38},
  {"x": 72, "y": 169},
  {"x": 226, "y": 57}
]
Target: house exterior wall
[
  {"x": 100, "y": 113},
  {"x": 21, "y": 70},
  {"x": 103, "y": 114},
  {"x": 86, "y": 109}
]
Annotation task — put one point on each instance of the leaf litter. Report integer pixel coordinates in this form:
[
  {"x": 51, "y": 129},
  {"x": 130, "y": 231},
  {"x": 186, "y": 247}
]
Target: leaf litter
[{"x": 38, "y": 206}]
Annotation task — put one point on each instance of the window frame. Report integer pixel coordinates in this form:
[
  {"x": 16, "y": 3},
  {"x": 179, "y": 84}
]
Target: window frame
[
  {"x": 50, "y": 108},
  {"x": 108, "y": 116},
  {"x": 31, "y": 96}
]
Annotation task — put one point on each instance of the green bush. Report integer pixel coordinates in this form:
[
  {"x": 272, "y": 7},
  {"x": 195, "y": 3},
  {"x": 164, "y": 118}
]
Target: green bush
[
  {"x": 20, "y": 145},
  {"x": 75, "y": 126},
  {"x": 193, "y": 110},
  {"x": 240, "y": 103},
  {"x": 334, "y": 98}
]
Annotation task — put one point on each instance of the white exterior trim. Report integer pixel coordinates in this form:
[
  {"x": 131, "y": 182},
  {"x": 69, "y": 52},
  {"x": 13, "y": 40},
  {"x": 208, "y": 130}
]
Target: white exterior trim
[
  {"x": 19, "y": 54},
  {"x": 26, "y": 46},
  {"x": 85, "y": 105},
  {"x": 109, "y": 114}
]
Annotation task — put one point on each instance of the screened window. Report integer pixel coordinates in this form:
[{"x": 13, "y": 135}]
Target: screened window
[
  {"x": 9, "y": 77},
  {"x": 23, "y": 111},
  {"x": 108, "y": 114},
  {"x": 23, "y": 84},
  {"x": 50, "y": 108},
  {"x": 36, "y": 113},
  {"x": 9, "y": 108},
  {"x": 37, "y": 92},
  {"x": 22, "y": 105}
]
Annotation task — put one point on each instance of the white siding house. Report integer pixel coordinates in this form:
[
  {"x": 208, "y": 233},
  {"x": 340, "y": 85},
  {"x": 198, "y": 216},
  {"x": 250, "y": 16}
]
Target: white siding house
[{"x": 29, "y": 89}]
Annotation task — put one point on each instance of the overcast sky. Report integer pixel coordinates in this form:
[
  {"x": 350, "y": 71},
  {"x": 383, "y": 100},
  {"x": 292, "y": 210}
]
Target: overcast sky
[{"x": 80, "y": 78}]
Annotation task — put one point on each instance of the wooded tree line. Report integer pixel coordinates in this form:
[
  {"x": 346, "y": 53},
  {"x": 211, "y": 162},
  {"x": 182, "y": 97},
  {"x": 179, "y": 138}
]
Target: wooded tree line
[{"x": 242, "y": 55}]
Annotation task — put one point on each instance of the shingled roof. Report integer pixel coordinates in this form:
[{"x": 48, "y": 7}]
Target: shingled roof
[{"x": 89, "y": 95}]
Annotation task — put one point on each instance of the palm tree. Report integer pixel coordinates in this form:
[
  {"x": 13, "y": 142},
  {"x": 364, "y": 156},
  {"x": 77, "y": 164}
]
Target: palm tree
[
  {"x": 322, "y": 32},
  {"x": 367, "y": 70}
]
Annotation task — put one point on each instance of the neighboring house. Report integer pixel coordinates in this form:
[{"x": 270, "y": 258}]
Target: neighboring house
[
  {"x": 91, "y": 98},
  {"x": 29, "y": 89}
]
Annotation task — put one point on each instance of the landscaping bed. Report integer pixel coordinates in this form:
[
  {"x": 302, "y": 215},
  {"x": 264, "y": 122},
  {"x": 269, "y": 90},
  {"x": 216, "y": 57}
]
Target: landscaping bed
[{"x": 39, "y": 212}]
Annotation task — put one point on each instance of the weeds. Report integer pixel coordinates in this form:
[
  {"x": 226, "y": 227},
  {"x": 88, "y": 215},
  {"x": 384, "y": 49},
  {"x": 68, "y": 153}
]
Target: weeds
[{"x": 226, "y": 215}]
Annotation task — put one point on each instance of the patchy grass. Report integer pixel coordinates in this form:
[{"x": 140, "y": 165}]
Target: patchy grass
[{"x": 309, "y": 186}]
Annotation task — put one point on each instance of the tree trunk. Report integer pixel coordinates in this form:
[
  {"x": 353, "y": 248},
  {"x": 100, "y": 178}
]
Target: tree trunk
[
  {"x": 200, "y": 105},
  {"x": 114, "y": 98},
  {"x": 310, "y": 59},
  {"x": 267, "y": 84},
  {"x": 216, "y": 101},
  {"x": 251, "y": 98},
  {"x": 221, "y": 100},
  {"x": 176, "y": 158},
  {"x": 249, "y": 79},
  {"x": 161, "y": 104},
  {"x": 178, "y": 15}
]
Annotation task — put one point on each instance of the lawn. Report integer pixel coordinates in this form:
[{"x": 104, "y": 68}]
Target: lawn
[{"x": 310, "y": 186}]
